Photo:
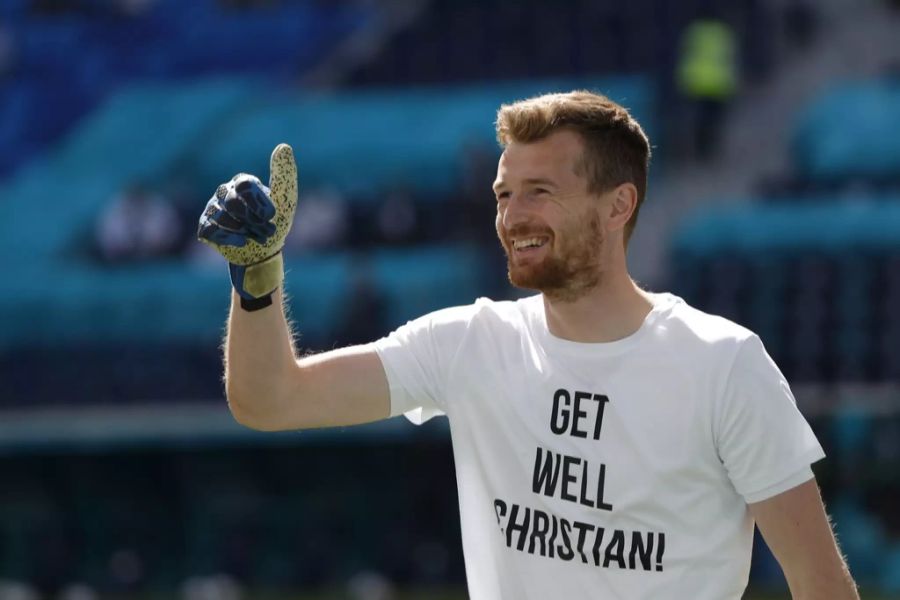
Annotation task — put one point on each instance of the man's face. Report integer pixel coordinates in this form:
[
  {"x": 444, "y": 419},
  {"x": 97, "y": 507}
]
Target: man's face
[{"x": 547, "y": 221}]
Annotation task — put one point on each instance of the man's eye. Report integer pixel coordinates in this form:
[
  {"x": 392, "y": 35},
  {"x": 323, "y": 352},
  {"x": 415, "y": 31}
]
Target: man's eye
[
  {"x": 541, "y": 191},
  {"x": 502, "y": 195}
]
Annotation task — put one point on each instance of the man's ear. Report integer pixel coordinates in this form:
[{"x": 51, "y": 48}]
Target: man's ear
[{"x": 623, "y": 202}]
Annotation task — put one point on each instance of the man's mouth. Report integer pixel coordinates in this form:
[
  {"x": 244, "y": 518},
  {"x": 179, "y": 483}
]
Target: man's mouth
[{"x": 526, "y": 245}]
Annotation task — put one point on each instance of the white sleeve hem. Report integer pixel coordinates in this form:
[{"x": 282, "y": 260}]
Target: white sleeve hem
[
  {"x": 400, "y": 401},
  {"x": 417, "y": 416},
  {"x": 801, "y": 476}
]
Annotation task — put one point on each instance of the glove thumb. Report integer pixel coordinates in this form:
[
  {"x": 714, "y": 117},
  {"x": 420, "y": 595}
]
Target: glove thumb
[{"x": 283, "y": 183}]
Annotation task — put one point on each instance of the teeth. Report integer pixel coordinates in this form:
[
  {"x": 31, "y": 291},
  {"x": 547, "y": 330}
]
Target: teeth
[{"x": 527, "y": 243}]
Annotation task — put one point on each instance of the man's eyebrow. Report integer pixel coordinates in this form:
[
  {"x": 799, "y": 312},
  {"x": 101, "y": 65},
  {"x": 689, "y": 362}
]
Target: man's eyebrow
[
  {"x": 531, "y": 181},
  {"x": 540, "y": 181}
]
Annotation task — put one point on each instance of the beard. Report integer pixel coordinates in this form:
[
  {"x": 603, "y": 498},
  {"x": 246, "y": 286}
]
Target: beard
[{"x": 571, "y": 267}]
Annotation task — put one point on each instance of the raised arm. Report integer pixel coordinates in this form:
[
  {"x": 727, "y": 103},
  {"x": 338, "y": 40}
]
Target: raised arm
[
  {"x": 268, "y": 387},
  {"x": 270, "y": 390},
  {"x": 796, "y": 529}
]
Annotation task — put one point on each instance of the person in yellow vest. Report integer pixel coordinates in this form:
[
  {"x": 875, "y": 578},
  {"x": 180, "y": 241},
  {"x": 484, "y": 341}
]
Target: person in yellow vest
[{"x": 707, "y": 76}]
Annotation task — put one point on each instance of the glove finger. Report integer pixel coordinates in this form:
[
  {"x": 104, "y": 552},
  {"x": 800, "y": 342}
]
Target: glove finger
[
  {"x": 234, "y": 217},
  {"x": 225, "y": 219},
  {"x": 209, "y": 231},
  {"x": 261, "y": 232},
  {"x": 283, "y": 180},
  {"x": 252, "y": 208},
  {"x": 256, "y": 197},
  {"x": 235, "y": 207}
]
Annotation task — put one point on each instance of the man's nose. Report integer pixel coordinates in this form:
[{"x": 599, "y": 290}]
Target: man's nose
[{"x": 516, "y": 212}]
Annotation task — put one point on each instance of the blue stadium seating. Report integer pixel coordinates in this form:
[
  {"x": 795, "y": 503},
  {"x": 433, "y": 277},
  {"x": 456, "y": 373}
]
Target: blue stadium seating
[
  {"x": 802, "y": 275},
  {"x": 69, "y": 62},
  {"x": 850, "y": 133},
  {"x": 828, "y": 226},
  {"x": 363, "y": 141},
  {"x": 209, "y": 130},
  {"x": 890, "y": 573},
  {"x": 863, "y": 539}
]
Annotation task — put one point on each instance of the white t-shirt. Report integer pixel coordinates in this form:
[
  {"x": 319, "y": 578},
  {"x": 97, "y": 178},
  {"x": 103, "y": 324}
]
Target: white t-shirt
[{"x": 615, "y": 470}]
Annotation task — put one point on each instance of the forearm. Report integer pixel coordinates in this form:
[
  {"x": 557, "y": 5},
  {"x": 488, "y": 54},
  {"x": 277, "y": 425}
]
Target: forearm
[
  {"x": 833, "y": 583},
  {"x": 259, "y": 356},
  {"x": 268, "y": 388},
  {"x": 797, "y": 530}
]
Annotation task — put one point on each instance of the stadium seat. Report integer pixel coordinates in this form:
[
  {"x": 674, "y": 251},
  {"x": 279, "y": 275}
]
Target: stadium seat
[{"x": 848, "y": 133}]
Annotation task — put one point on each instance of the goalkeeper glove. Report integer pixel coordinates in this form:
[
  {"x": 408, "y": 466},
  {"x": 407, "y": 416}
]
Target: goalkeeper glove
[{"x": 247, "y": 222}]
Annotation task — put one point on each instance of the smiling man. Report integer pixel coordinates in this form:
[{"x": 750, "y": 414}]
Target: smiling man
[{"x": 609, "y": 442}]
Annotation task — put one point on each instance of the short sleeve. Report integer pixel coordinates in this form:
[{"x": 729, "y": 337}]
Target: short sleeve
[
  {"x": 415, "y": 359},
  {"x": 764, "y": 442}
]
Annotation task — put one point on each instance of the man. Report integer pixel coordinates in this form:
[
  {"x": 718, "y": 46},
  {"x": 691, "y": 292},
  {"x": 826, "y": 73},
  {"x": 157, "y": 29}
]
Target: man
[{"x": 609, "y": 442}]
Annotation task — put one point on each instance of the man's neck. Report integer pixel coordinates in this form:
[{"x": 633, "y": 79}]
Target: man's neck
[{"x": 613, "y": 310}]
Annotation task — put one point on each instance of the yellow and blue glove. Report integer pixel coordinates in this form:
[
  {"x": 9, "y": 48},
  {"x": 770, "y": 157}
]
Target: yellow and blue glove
[{"x": 247, "y": 222}]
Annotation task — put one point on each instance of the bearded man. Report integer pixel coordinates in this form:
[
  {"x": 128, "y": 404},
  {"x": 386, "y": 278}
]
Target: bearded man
[{"x": 609, "y": 442}]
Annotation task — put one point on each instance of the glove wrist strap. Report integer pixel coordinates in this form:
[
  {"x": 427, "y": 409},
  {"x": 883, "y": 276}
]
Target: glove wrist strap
[
  {"x": 255, "y": 304},
  {"x": 256, "y": 283}
]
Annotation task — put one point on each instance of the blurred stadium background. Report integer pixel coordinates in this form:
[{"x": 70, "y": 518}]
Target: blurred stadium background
[{"x": 774, "y": 200}]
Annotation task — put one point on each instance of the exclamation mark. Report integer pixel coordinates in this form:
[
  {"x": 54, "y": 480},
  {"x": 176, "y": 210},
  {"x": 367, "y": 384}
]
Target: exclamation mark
[{"x": 660, "y": 549}]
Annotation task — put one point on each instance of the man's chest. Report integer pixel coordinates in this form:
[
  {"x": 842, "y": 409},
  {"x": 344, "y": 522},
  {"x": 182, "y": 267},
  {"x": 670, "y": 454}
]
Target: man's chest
[{"x": 601, "y": 434}]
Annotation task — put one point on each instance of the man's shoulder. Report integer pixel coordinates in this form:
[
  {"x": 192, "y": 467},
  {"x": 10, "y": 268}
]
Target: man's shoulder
[
  {"x": 691, "y": 324},
  {"x": 483, "y": 322},
  {"x": 484, "y": 312}
]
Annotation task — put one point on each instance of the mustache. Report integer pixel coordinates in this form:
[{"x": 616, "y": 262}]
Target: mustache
[{"x": 526, "y": 231}]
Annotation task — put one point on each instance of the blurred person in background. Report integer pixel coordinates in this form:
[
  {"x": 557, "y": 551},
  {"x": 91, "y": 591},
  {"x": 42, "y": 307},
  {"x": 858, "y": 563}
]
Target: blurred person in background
[
  {"x": 397, "y": 218},
  {"x": 479, "y": 169},
  {"x": 138, "y": 224},
  {"x": 322, "y": 222},
  {"x": 707, "y": 77},
  {"x": 608, "y": 441},
  {"x": 479, "y": 162},
  {"x": 366, "y": 307}
]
